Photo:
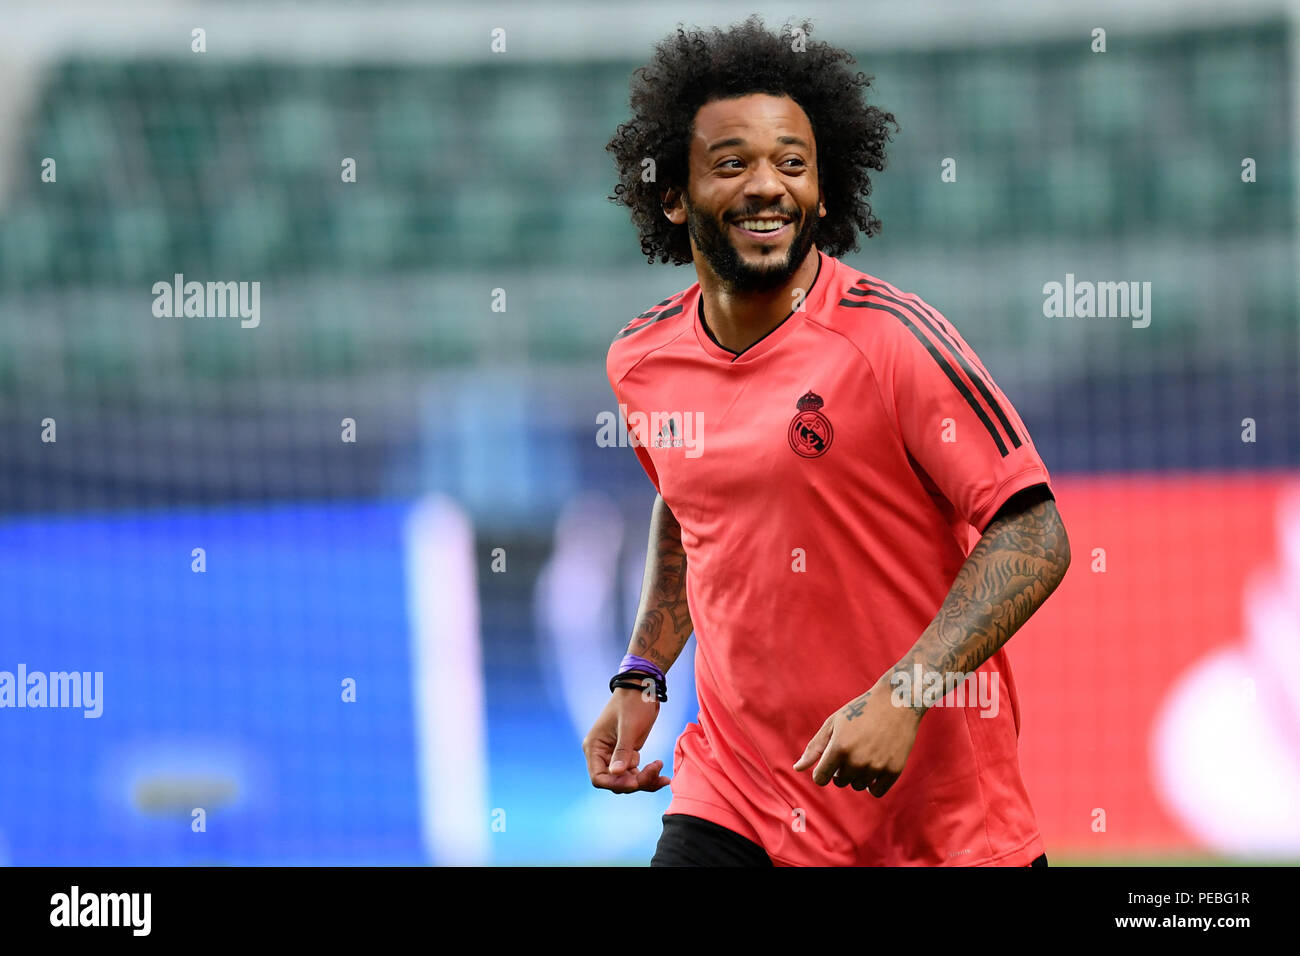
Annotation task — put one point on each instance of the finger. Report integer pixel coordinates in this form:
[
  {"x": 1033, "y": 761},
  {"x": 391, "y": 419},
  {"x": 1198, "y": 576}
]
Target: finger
[
  {"x": 650, "y": 780},
  {"x": 625, "y": 758},
  {"x": 629, "y": 781},
  {"x": 815, "y": 747},
  {"x": 864, "y": 780},
  {"x": 882, "y": 784},
  {"x": 827, "y": 766},
  {"x": 616, "y": 782},
  {"x": 597, "y": 761},
  {"x": 842, "y": 780}
]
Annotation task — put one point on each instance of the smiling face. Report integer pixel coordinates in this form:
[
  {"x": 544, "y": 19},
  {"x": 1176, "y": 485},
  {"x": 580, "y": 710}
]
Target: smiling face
[{"x": 753, "y": 200}]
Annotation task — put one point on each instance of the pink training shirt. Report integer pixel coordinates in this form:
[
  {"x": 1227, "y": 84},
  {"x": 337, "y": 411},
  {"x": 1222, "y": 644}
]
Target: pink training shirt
[{"x": 829, "y": 482}]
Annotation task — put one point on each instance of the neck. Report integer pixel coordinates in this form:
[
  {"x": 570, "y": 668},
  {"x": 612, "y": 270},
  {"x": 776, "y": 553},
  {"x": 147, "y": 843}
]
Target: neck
[{"x": 738, "y": 319}]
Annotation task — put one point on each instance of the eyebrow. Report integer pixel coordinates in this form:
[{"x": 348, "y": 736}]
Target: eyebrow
[{"x": 738, "y": 141}]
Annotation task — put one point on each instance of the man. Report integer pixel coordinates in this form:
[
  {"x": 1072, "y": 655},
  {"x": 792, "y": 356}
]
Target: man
[{"x": 861, "y": 521}]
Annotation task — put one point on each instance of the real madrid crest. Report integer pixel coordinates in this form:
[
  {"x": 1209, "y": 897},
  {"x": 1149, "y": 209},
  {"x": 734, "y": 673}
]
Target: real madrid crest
[{"x": 810, "y": 430}]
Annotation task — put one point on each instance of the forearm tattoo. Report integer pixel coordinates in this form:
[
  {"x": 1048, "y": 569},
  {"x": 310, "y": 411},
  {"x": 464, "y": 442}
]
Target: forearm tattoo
[
  {"x": 1018, "y": 562},
  {"x": 663, "y": 623}
]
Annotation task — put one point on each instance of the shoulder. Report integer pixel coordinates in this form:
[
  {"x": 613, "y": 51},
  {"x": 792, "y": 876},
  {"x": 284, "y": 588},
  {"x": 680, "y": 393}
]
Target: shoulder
[
  {"x": 879, "y": 318},
  {"x": 647, "y": 331}
]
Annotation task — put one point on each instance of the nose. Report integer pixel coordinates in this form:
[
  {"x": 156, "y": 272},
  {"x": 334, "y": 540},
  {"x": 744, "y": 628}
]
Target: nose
[{"x": 764, "y": 185}]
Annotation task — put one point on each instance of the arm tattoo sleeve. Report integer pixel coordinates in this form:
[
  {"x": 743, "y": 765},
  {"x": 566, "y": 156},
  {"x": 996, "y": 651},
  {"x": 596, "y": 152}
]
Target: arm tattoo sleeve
[
  {"x": 1018, "y": 562},
  {"x": 663, "y": 620}
]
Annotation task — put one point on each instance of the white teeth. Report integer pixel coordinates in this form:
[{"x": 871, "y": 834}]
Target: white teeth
[{"x": 761, "y": 225}]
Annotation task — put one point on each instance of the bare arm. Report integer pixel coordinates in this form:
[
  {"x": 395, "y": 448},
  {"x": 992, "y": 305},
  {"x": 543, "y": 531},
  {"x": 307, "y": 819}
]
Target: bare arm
[
  {"x": 663, "y": 620},
  {"x": 1018, "y": 562},
  {"x": 663, "y": 624}
]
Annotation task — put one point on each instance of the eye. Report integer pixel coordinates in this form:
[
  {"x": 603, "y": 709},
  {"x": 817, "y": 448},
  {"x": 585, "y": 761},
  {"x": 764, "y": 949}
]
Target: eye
[{"x": 793, "y": 159}]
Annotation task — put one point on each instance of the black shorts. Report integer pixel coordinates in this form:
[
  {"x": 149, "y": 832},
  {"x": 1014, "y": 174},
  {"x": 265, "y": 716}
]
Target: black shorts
[{"x": 691, "y": 841}]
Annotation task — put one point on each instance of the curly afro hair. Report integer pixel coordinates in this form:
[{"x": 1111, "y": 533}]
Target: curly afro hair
[{"x": 693, "y": 68}]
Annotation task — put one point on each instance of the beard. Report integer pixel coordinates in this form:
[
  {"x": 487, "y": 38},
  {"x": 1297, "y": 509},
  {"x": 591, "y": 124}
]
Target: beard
[{"x": 736, "y": 273}]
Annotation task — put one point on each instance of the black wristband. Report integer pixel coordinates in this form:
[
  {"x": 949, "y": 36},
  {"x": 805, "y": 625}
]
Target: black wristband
[{"x": 626, "y": 682}]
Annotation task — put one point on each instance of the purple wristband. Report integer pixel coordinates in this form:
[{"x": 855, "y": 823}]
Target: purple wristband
[{"x": 634, "y": 663}]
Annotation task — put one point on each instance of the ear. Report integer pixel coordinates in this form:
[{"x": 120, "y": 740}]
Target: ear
[
  {"x": 673, "y": 207},
  {"x": 821, "y": 203}
]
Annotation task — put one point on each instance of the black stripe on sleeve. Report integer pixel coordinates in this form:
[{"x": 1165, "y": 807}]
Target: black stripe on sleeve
[
  {"x": 948, "y": 370},
  {"x": 665, "y": 314},
  {"x": 957, "y": 353},
  {"x": 934, "y": 325}
]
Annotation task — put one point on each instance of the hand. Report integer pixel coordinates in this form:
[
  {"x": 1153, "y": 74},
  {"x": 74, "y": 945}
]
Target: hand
[
  {"x": 612, "y": 746},
  {"x": 864, "y": 744}
]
